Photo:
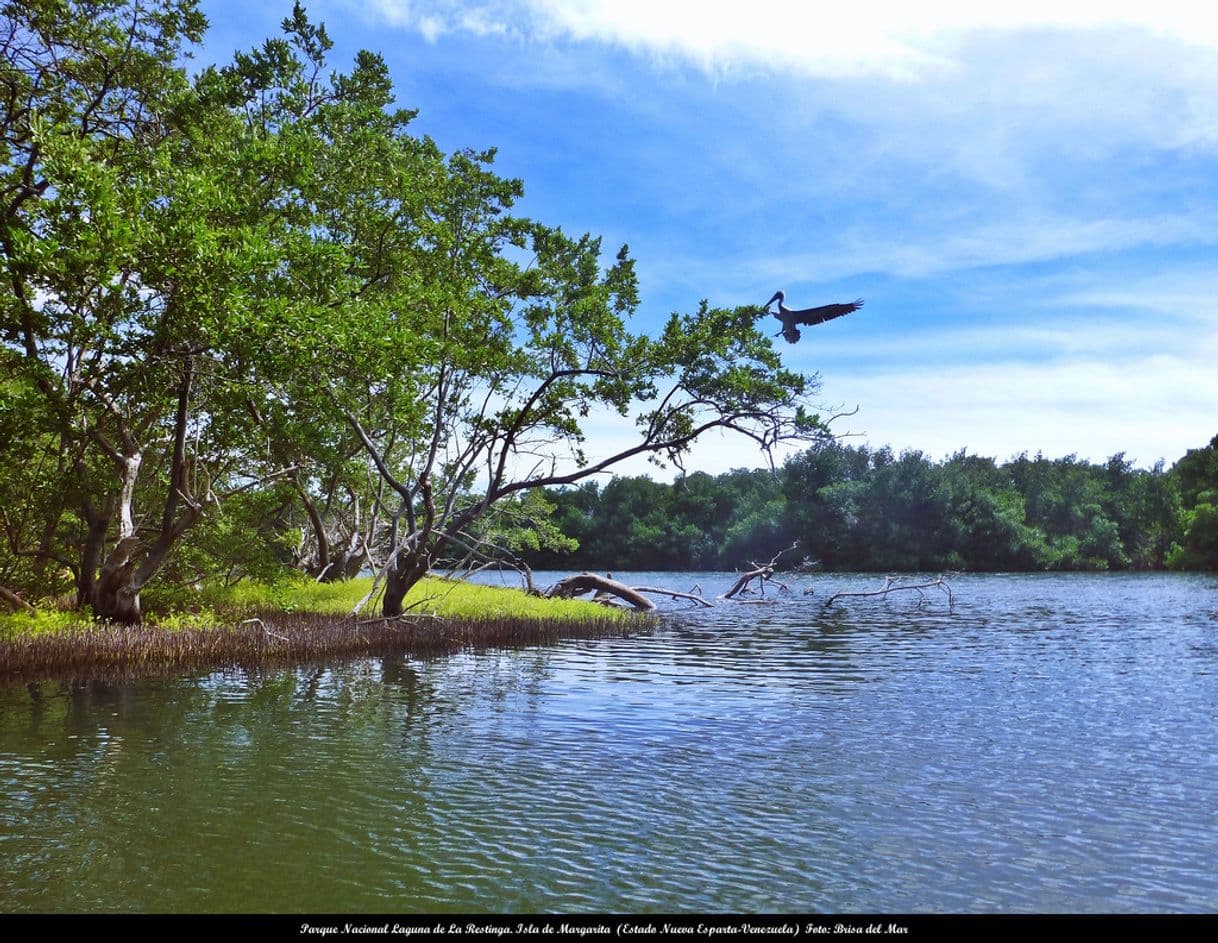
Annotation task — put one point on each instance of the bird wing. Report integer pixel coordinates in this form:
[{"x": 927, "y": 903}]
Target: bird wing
[{"x": 825, "y": 312}]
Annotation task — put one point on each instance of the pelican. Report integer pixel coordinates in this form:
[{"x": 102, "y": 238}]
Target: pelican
[{"x": 819, "y": 315}]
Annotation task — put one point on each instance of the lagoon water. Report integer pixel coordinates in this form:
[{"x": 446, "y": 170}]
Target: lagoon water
[{"x": 1051, "y": 744}]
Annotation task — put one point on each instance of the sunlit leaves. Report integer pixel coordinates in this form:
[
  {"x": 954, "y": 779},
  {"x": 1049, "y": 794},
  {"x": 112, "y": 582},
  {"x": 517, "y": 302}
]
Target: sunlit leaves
[{"x": 260, "y": 273}]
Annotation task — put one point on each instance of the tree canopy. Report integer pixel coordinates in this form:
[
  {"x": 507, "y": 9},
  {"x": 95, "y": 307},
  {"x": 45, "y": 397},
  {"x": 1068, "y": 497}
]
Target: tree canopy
[
  {"x": 1197, "y": 472},
  {"x": 860, "y": 508},
  {"x": 252, "y": 320},
  {"x": 239, "y": 294}
]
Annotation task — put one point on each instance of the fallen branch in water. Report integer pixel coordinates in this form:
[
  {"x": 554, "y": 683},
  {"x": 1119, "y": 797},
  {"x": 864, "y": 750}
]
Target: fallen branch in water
[
  {"x": 675, "y": 595},
  {"x": 582, "y": 583},
  {"x": 606, "y": 587},
  {"x": 760, "y": 571},
  {"x": 892, "y": 585}
]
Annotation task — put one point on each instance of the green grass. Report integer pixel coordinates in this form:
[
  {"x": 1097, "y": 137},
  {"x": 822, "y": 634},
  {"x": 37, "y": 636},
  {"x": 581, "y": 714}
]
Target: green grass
[
  {"x": 41, "y": 622},
  {"x": 431, "y": 596},
  {"x": 291, "y": 621},
  {"x": 214, "y": 605}
]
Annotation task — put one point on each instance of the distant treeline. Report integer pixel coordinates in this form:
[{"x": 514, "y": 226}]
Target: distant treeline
[{"x": 859, "y": 508}]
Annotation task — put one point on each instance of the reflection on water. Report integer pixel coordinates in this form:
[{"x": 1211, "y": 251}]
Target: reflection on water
[{"x": 1048, "y": 745}]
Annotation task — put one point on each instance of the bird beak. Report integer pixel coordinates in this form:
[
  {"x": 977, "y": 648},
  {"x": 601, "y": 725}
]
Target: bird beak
[{"x": 777, "y": 295}]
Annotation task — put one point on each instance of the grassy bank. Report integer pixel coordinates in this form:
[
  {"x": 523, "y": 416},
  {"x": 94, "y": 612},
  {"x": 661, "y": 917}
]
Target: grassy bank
[{"x": 290, "y": 622}]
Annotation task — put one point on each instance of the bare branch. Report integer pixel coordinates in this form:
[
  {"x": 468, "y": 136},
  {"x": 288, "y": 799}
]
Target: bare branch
[
  {"x": 675, "y": 595},
  {"x": 762, "y": 572},
  {"x": 8, "y": 596},
  {"x": 372, "y": 450},
  {"x": 892, "y": 585}
]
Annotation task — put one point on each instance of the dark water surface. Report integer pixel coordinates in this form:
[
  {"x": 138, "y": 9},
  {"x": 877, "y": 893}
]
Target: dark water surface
[{"x": 1051, "y": 745}]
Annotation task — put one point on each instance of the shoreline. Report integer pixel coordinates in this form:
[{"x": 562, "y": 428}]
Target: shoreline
[
  {"x": 301, "y": 622},
  {"x": 108, "y": 652}
]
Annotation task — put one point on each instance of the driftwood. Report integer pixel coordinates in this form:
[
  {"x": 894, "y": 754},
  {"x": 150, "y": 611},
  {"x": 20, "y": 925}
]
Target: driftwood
[
  {"x": 675, "y": 595},
  {"x": 590, "y": 582},
  {"x": 606, "y": 587},
  {"x": 760, "y": 571},
  {"x": 891, "y": 585}
]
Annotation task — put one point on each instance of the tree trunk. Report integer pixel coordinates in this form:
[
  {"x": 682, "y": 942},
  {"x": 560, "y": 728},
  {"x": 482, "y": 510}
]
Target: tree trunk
[
  {"x": 132, "y": 562},
  {"x": 320, "y": 568},
  {"x": 114, "y": 594},
  {"x": 345, "y": 564},
  {"x": 349, "y": 561},
  {"x": 116, "y": 597},
  {"x": 407, "y": 570},
  {"x": 91, "y": 555}
]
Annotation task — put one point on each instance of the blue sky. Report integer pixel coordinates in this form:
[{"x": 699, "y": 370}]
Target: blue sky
[{"x": 1027, "y": 199}]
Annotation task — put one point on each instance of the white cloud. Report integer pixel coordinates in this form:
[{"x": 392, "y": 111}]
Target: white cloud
[
  {"x": 1005, "y": 94},
  {"x": 893, "y": 39},
  {"x": 1149, "y": 407},
  {"x": 1005, "y": 242},
  {"x": 1011, "y": 160},
  {"x": 1176, "y": 293},
  {"x": 921, "y": 250},
  {"x": 1099, "y": 337}
]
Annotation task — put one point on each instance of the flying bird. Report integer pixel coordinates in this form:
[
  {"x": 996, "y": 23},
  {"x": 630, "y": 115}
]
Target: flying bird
[{"x": 819, "y": 315}]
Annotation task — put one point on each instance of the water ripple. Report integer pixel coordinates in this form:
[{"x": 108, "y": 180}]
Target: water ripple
[{"x": 1046, "y": 745}]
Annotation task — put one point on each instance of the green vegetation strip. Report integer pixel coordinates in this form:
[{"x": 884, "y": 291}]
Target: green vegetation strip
[{"x": 253, "y": 625}]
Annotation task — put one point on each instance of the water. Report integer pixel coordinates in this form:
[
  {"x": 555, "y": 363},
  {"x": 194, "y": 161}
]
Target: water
[{"x": 1048, "y": 746}]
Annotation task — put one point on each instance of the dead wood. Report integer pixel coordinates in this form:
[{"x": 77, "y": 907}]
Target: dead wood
[
  {"x": 675, "y": 595},
  {"x": 893, "y": 585},
  {"x": 582, "y": 583},
  {"x": 762, "y": 572}
]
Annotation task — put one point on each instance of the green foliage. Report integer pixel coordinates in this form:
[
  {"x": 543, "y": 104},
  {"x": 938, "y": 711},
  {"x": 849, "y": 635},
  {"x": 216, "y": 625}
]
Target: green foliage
[
  {"x": 253, "y": 322},
  {"x": 256, "y": 322},
  {"x": 870, "y": 509},
  {"x": 1198, "y": 549},
  {"x": 1197, "y": 472},
  {"x": 522, "y": 525},
  {"x": 1197, "y": 476},
  {"x": 129, "y": 252},
  {"x": 247, "y": 535},
  {"x": 43, "y": 621}
]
